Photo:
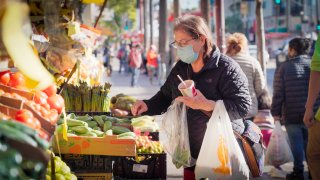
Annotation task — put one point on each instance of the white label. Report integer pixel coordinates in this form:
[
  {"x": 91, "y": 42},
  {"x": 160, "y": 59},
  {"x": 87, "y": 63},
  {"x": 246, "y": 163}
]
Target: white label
[{"x": 140, "y": 168}]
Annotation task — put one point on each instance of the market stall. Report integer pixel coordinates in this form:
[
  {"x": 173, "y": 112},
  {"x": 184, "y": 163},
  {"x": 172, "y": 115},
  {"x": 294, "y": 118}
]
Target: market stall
[{"x": 57, "y": 120}]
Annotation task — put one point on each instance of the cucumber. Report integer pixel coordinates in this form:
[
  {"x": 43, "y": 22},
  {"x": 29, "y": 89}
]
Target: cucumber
[
  {"x": 89, "y": 134},
  {"x": 19, "y": 126},
  {"x": 92, "y": 124},
  {"x": 124, "y": 120},
  {"x": 98, "y": 133},
  {"x": 119, "y": 130},
  {"x": 84, "y": 118},
  {"x": 80, "y": 129},
  {"x": 74, "y": 122},
  {"x": 97, "y": 128},
  {"x": 131, "y": 134},
  {"x": 107, "y": 125},
  {"x": 17, "y": 135},
  {"x": 99, "y": 120},
  {"x": 71, "y": 116}
]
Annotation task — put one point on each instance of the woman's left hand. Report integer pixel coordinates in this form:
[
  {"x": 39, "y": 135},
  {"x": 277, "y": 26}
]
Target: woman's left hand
[{"x": 197, "y": 102}]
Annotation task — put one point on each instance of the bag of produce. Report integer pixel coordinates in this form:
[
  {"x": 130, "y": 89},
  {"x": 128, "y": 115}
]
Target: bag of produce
[
  {"x": 220, "y": 156},
  {"x": 278, "y": 151},
  {"x": 175, "y": 128}
]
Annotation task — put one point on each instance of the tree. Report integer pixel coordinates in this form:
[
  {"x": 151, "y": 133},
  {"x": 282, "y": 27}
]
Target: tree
[
  {"x": 176, "y": 7},
  {"x": 260, "y": 36},
  {"x": 234, "y": 24},
  {"x": 151, "y": 21},
  {"x": 163, "y": 41},
  {"x": 205, "y": 11},
  {"x": 122, "y": 7}
]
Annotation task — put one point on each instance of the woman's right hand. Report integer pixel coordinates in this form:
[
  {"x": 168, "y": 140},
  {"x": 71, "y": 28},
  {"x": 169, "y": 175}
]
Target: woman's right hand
[{"x": 138, "y": 108}]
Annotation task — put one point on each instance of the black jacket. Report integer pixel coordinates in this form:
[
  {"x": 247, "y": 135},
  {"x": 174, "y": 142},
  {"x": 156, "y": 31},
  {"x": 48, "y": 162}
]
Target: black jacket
[
  {"x": 290, "y": 89},
  {"x": 220, "y": 79}
]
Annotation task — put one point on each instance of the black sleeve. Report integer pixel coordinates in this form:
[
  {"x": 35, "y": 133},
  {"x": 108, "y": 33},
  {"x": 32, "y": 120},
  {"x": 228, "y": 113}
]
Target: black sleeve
[
  {"x": 278, "y": 92},
  {"x": 233, "y": 85},
  {"x": 162, "y": 100}
]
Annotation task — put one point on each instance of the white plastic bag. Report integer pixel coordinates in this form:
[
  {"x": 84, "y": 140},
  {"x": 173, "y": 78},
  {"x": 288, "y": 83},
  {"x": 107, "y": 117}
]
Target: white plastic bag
[
  {"x": 278, "y": 151},
  {"x": 174, "y": 127},
  {"x": 220, "y": 155}
]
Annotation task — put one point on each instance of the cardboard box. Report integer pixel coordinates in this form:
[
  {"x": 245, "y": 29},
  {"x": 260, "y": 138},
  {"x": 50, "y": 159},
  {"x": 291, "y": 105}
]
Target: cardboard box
[
  {"x": 94, "y": 176},
  {"x": 108, "y": 145}
]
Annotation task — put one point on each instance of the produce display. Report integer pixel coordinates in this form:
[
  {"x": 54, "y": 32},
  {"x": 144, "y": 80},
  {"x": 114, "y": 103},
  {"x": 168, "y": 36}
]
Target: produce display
[
  {"x": 144, "y": 124},
  {"x": 145, "y": 145},
  {"x": 84, "y": 98},
  {"x": 62, "y": 170},
  {"x": 121, "y": 105},
  {"x": 97, "y": 126},
  {"x": 13, "y": 165}
]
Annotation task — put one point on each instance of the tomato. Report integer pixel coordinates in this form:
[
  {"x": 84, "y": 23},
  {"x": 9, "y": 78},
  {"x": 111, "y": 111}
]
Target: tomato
[
  {"x": 56, "y": 102},
  {"x": 17, "y": 80},
  {"x": 26, "y": 117},
  {"x": 5, "y": 78},
  {"x": 40, "y": 97},
  {"x": 44, "y": 112},
  {"x": 46, "y": 106},
  {"x": 53, "y": 117},
  {"x": 1, "y": 92},
  {"x": 36, "y": 123},
  {"x": 51, "y": 90}
]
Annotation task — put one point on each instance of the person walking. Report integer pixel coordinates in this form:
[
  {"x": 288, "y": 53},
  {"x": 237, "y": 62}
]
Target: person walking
[
  {"x": 135, "y": 61},
  {"x": 152, "y": 62},
  {"x": 237, "y": 49},
  {"x": 290, "y": 92},
  {"x": 122, "y": 56},
  {"x": 216, "y": 77},
  {"x": 313, "y": 148}
]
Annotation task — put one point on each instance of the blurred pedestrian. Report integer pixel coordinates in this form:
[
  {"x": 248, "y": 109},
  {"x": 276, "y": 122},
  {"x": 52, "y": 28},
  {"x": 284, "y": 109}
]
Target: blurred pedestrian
[
  {"x": 152, "y": 62},
  {"x": 135, "y": 61},
  {"x": 290, "y": 92},
  {"x": 237, "y": 49},
  {"x": 313, "y": 149},
  {"x": 122, "y": 56},
  {"x": 264, "y": 117}
]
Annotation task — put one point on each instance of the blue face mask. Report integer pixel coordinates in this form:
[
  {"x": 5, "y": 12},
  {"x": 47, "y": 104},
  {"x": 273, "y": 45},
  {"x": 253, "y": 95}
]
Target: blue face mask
[{"x": 186, "y": 54}]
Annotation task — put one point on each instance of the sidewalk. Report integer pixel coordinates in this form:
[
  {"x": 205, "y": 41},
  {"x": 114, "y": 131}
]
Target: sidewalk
[{"x": 121, "y": 84}]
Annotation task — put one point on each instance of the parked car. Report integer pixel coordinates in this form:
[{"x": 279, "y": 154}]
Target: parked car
[{"x": 253, "y": 50}]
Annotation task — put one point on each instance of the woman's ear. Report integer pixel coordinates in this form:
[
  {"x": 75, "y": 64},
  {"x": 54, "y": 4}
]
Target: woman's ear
[{"x": 202, "y": 40}]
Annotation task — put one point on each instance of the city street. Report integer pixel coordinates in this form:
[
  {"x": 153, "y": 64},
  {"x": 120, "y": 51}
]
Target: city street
[{"x": 121, "y": 84}]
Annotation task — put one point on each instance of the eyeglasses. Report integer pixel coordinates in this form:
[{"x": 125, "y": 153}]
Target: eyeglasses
[{"x": 181, "y": 43}]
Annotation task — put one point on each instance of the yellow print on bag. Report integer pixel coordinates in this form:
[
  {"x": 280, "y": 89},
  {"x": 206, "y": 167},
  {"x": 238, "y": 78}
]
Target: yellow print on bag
[{"x": 223, "y": 158}]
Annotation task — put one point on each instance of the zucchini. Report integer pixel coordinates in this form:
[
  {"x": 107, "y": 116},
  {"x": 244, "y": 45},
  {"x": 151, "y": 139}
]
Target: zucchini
[
  {"x": 131, "y": 134},
  {"x": 98, "y": 133},
  {"x": 99, "y": 120},
  {"x": 80, "y": 129},
  {"x": 74, "y": 122},
  {"x": 119, "y": 130},
  {"x": 92, "y": 124},
  {"x": 107, "y": 125},
  {"x": 12, "y": 133},
  {"x": 84, "y": 118},
  {"x": 89, "y": 134}
]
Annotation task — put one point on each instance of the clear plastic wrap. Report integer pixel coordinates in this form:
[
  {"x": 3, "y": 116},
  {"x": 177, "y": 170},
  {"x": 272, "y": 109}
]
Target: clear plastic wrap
[{"x": 176, "y": 141}]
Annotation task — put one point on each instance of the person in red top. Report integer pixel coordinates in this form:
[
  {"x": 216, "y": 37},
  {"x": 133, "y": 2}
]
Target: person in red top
[
  {"x": 135, "y": 61},
  {"x": 152, "y": 62}
]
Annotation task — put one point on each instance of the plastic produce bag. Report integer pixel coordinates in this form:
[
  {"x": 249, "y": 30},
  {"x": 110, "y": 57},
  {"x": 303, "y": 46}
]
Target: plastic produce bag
[
  {"x": 278, "y": 151},
  {"x": 176, "y": 141},
  {"x": 220, "y": 156}
]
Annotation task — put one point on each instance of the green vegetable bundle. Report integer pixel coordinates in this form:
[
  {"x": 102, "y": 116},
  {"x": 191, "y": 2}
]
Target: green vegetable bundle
[{"x": 85, "y": 98}]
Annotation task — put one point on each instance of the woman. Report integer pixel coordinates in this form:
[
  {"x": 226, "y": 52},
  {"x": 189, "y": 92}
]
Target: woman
[
  {"x": 216, "y": 77},
  {"x": 152, "y": 62},
  {"x": 290, "y": 92},
  {"x": 237, "y": 49},
  {"x": 135, "y": 61}
]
